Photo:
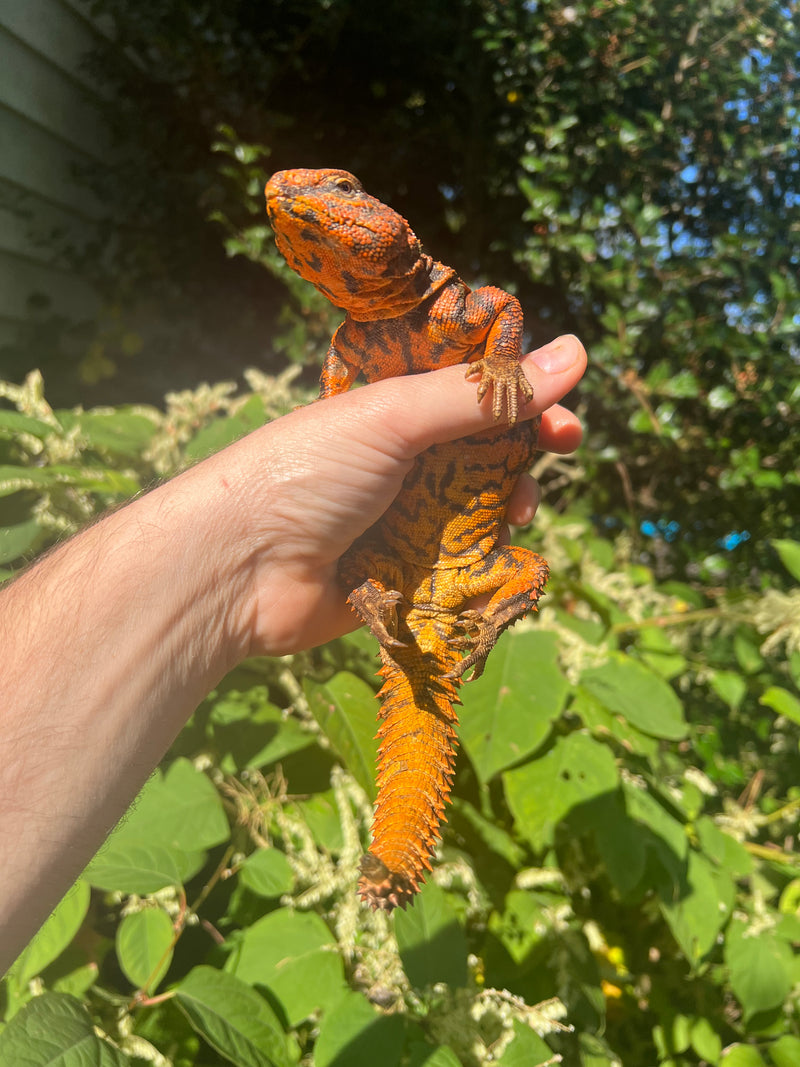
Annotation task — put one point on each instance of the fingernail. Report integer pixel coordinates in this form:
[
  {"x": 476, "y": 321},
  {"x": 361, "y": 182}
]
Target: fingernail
[{"x": 555, "y": 357}]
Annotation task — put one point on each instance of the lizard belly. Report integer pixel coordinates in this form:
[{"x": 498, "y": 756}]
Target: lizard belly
[{"x": 453, "y": 501}]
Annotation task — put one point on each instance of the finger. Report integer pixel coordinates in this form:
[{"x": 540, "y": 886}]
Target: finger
[
  {"x": 524, "y": 501},
  {"x": 561, "y": 430},
  {"x": 553, "y": 370},
  {"x": 413, "y": 412}
]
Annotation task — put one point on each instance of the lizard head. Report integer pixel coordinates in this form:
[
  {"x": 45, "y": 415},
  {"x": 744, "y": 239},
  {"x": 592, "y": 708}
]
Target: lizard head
[{"x": 357, "y": 251}]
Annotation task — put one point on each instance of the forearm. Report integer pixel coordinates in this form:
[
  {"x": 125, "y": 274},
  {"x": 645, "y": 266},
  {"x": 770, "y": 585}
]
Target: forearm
[{"x": 108, "y": 646}]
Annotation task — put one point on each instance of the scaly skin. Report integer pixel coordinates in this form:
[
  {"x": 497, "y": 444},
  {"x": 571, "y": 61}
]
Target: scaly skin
[{"x": 411, "y": 577}]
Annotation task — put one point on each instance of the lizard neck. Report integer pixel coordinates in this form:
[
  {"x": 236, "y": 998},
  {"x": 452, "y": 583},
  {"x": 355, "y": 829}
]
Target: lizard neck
[{"x": 389, "y": 298}]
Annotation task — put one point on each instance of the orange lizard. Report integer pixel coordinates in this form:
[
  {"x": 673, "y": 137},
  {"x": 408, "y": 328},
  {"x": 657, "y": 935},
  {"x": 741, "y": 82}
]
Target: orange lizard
[{"x": 411, "y": 577}]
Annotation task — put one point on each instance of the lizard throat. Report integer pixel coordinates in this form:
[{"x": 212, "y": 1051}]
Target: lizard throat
[{"x": 389, "y": 298}]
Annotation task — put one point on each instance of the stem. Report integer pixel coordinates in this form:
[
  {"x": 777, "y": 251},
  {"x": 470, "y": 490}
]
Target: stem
[
  {"x": 777, "y": 855},
  {"x": 679, "y": 619},
  {"x": 141, "y": 998},
  {"x": 781, "y": 813}
]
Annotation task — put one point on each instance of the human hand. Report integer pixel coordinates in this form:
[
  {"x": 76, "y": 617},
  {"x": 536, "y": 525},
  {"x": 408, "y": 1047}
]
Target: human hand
[{"x": 327, "y": 472}]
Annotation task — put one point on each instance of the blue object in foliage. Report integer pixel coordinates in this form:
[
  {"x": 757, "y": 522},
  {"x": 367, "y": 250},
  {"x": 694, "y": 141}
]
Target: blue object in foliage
[
  {"x": 733, "y": 539},
  {"x": 668, "y": 530}
]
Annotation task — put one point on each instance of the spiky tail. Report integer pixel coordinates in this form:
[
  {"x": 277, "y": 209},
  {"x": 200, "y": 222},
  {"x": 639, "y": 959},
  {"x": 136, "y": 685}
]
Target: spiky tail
[{"x": 415, "y": 768}]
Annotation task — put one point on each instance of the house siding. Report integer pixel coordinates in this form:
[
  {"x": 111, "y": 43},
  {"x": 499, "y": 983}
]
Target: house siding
[{"x": 49, "y": 132}]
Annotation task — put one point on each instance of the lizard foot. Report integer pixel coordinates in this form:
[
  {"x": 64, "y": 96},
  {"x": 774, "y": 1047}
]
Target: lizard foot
[
  {"x": 478, "y": 637},
  {"x": 506, "y": 379},
  {"x": 377, "y": 607}
]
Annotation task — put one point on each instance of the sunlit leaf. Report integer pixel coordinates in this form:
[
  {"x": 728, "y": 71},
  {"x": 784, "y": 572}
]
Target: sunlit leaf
[
  {"x": 576, "y": 772},
  {"x": 232, "y": 1018},
  {"x": 508, "y": 712}
]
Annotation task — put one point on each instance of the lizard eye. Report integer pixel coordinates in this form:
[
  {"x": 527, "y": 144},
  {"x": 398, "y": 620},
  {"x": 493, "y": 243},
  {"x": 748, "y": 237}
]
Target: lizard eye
[{"x": 344, "y": 185}]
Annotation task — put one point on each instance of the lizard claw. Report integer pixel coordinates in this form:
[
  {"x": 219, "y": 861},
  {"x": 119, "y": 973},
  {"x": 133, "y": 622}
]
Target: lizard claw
[
  {"x": 506, "y": 379},
  {"x": 478, "y": 636},
  {"x": 377, "y": 607}
]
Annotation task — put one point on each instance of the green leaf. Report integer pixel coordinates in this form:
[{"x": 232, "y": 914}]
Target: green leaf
[
  {"x": 267, "y": 873},
  {"x": 576, "y": 771},
  {"x": 785, "y": 1052},
  {"x": 526, "y": 1050},
  {"x": 789, "y": 901},
  {"x": 705, "y": 1040},
  {"x": 345, "y": 708},
  {"x": 54, "y": 936},
  {"x": 224, "y": 431},
  {"x": 602, "y": 723},
  {"x": 628, "y": 688},
  {"x": 594, "y": 1052},
  {"x": 720, "y": 398},
  {"x": 697, "y": 908},
  {"x": 493, "y": 836},
  {"x": 742, "y": 1056},
  {"x": 729, "y": 686},
  {"x": 782, "y": 702},
  {"x": 232, "y": 1018},
  {"x": 722, "y": 848},
  {"x": 667, "y": 837},
  {"x": 144, "y": 947},
  {"x": 508, "y": 712},
  {"x": 126, "y": 866},
  {"x": 682, "y": 384},
  {"x": 77, "y": 982},
  {"x": 672, "y": 1036},
  {"x": 517, "y": 926},
  {"x": 94, "y": 480},
  {"x": 622, "y": 843},
  {"x": 760, "y": 968},
  {"x": 159, "y": 842},
  {"x": 422, "y": 1055},
  {"x": 321, "y": 815},
  {"x": 14, "y": 423},
  {"x": 119, "y": 432},
  {"x": 356, "y": 1034},
  {"x": 789, "y": 552},
  {"x": 745, "y": 648},
  {"x": 294, "y": 955},
  {"x": 431, "y": 941},
  {"x": 55, "y": 1030},
  {"x": 16, "y": 540},
  {"x": 178, "y": 808},
  {"x": 249, "y": 731}
]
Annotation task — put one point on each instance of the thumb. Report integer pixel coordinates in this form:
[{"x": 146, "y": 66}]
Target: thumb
[{"x": 426, "y": 409}]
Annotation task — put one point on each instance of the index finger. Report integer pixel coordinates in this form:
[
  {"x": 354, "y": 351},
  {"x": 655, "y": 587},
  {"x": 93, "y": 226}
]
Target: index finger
[{"x": 560, "y": 431}]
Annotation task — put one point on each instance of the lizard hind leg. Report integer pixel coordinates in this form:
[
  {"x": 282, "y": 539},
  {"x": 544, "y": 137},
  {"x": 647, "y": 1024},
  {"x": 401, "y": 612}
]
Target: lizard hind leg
[
  {"x": 516, "y": 577},
  {"x": 377, "y": 607},
  {"x": 373, "y": 581}
]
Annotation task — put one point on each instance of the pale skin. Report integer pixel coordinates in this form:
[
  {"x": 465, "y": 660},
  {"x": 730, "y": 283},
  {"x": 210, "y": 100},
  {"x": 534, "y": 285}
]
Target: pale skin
[{"x": 111, "y": 641}]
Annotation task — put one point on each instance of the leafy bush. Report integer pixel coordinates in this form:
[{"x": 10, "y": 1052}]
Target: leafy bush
[
  {"x": 630, "y": 170},
  {"x": 618, "y": 881}
]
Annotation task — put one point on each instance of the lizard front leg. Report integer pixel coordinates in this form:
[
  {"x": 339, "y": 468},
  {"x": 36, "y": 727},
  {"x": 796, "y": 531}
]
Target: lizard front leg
[
  {"x": 516, "y": 577},
  {"x": 338, "y": 373},
  {"x": 499, "y": 368}
]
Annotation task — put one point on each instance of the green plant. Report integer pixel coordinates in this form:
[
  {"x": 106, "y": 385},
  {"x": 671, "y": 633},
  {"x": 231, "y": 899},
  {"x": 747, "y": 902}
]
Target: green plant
[
  {"x": 629, "y": 170},
  {"x": 618, "y": 880}
]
